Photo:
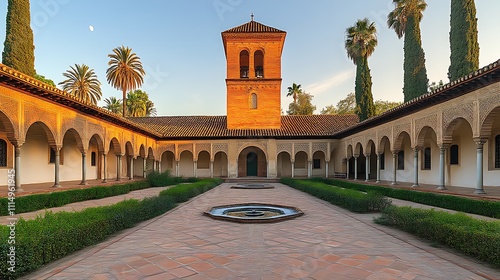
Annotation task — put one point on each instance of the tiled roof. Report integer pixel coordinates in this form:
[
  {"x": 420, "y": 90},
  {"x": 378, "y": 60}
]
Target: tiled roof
[
  {"x": 211, "y": 127},
  {"x": 253, "y": 27}
]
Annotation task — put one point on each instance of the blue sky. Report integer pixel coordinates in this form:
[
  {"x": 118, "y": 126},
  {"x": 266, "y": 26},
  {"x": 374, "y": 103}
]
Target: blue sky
[{"x": 180, "y": 45}]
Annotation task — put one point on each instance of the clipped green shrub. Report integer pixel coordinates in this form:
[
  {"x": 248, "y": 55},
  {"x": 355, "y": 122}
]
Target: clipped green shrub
[
  {"x": 157, "y": 179},
  {"x": 184, "y": 192},
  {"x": 36, "y": 202},
  {"x": 352, "y": 200},
  {"x": 463, "y": 204},
  {"x": 474, "y": 237},
  {"x": 56, "y": 235}
]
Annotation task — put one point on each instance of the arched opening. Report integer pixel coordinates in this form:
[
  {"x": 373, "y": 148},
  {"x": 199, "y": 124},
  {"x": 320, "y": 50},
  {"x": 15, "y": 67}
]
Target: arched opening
[
  {"x": 71, "y": 157},
  {"x": 95, "y": 149},
  {"x": 36, "y": 153},
  {"x": 150, "y": 161},
  {"x": 244, "y": 64},
  {"x": 300, "y": 164},
  {"x": 252, "y": 162},
  {"x": 139, "y": 161},
  {"x": 372, "y": 163},
  {"x": 386, "y": 167},
  {"x": 112, "y": 159},
  {"x": 463, "y": 175},
  {"x": 319, "y": 164},
  {"x": 220, "y": 164},
  {"x": 168, "y": 162},
  {"x": 428, "y": 156},
  {"x": 186, "y": 164},
  {"x": 253, "y": 101},
  {"x": 203, "y": 164},
  {"x": 6, "y": 148},
  {"x": 259, "y": 64},
  {"x": 284, "y": 165}
]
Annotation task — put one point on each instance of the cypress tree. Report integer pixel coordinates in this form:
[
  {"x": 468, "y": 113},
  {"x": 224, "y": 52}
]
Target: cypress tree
[
  {"x": 19, "y": 50},
  {"x": 358, "y": 84},
  {"x": 366, "y": 106},
  {"x": 415, "y": 74},
  {"x": 463, "y": 39}
]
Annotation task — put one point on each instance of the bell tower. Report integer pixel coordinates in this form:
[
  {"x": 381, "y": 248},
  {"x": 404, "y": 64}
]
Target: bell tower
[{"x": 253, "y": 54}]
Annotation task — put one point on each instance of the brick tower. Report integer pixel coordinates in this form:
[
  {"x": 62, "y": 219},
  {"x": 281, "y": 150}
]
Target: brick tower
[{"x": 253, "y": 54}]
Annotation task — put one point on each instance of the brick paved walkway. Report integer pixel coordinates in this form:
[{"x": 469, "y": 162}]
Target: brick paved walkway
[{"x": 326, "y": 243}]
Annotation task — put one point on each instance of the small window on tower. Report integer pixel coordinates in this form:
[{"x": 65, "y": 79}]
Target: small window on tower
[{"x": 253, "y": 101}]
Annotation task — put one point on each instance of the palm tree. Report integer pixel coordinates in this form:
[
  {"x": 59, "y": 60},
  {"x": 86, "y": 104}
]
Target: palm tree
[
  {"x": 294, "y": 90},
  {"x": 125, "y": 72},
  {"x": 136, "y": 104},
  {"x": 82, "y": 82},
  {"x": 405, "y": 20},
  {"x": 360, "y": 44},
  {"x": 139, "y": 105},
  {"x": 113, "y": 104}
]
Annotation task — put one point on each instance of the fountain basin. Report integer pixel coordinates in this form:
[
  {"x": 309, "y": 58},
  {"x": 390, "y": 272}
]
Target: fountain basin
[
  {"x": 252, "y": 186},
  {"x": 253, "y": 213}
]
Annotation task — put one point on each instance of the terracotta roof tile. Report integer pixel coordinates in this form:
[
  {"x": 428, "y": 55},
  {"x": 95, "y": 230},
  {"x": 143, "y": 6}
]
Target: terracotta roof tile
[
  {"x": 198, "y": 127},
  {"x": 253, "y": 27}
]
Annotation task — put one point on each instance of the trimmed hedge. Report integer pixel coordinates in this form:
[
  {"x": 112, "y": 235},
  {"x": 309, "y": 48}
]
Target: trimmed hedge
[
  {"x": 474, "y": 237},
  {"x": 34, "y": 202},
  {"x": 54, "y": 236},
  {"x": 157, "y": 179},
  {"x": 352, "y": 200},
  {"x": 184, "y": 192},
  {"x": 468, "y": 205}
]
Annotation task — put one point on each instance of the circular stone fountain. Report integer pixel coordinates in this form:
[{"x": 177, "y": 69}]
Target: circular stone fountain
[
  {"x": 253, "y": 213},
  {"x": 253, "y": 186}
]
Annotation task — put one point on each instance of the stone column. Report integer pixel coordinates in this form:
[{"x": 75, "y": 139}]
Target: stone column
[
  {"x": 309, "y": 169},
  {"x": 159, "y": 166},
  {"x": 442, "y": 150},
  {"x": 479, "y": 167},
  {"x": 143, "y": 167},
  {"x": 347, "y": 169},
  {"x": 355, "y": 168},
  {"x": 177, "y": 168},
  {"x": 17, "y": 168},
  {"x": 118, "y": 167},
  {"x": 326, "y": 167},
  {"x": 367, "y": 163},
  {"x": 84, "y": 168},
  {"x": 195, "y": 167},
  {"x": 104, "y": 165},
  {"x": 131, "y": 171},
  {"x": 293, "y": 168},
  {"x": 378, "y": 168},
  {"x": 211, "y": 169},
  {"x": 395, "y": 167},
  {"x": 56, "y": 168},
  {"x": 415, "y": 167}
]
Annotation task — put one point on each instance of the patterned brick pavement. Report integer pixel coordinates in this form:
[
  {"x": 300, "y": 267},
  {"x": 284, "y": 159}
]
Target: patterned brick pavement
[{"x": 326, "y": 243}]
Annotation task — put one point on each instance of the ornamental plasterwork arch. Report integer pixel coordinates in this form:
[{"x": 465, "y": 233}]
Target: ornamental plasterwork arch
[
  {"x": 465, "y": 111},
  {"x": 322, "y": 146},
  {"x": 419, "y": 142},
  {"x": 357, "y": 148},
  {"x": 93, "y": 129},
  {"x": 162, "y": 148},
  {"x": 9, "y": 108},
  {"x": 109, "y": 136},
  {"x": 99, "y": 140},
  {"x": 301, "y": 147},
  {"x": 448, "y": 130},
  {"x": 284, "y": 147},
  {"x": 34, "y": 114},
  {"x": 244, "y": 145},
  {"x": 486, "y": 126},
  {"x": 384, "y": 140},
  {"x": 398, "y": 129},
  {"x": 385, "y": 132},
  {"x": 349, "y": 153},
  {"x": 398, "y": 142},
  {"x": 429, "y": 121},
  {"x": 488, "y": 104},
  {"x": 10, "y": 127},
  {"x": 184, "y": 147},
  {"x": 369, "y": 145},
  {"x": 218, "y": 147},
  {"x": 77, "y": 136}
]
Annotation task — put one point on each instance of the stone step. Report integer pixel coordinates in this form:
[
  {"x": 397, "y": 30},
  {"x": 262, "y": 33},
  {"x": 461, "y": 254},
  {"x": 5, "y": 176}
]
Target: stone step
[{"x": 252, "y": 180}]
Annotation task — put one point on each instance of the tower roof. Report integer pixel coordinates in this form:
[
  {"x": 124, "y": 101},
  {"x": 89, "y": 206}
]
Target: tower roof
[{"x": 253, "y": 27}]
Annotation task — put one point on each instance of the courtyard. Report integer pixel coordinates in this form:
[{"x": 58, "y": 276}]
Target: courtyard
[{"x": 327, "y": 242}]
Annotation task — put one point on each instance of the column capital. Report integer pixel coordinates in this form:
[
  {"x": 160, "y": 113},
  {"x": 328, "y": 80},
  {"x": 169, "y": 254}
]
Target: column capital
[{"x": 479, "y": 142}]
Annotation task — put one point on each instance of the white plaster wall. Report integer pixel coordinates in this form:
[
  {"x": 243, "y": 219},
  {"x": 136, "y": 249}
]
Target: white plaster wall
[
  {"x": 284, "y": 165},
  {"x": 111, "y": 165},
  {"x": 319, "y": 172},
  {"x": 220, "y": 165},
  {"x": 186, "y": 164},
  {"x": 168, "y": 163},
  {"x": 35, "y": 166},
  {"x": 464, "y": 174},
  {"x": 386, "y": 174},
  {"x": 301, "y": 164},
  {"x": 138, "y": 166},
  {"x": 71, "y": 169}
]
